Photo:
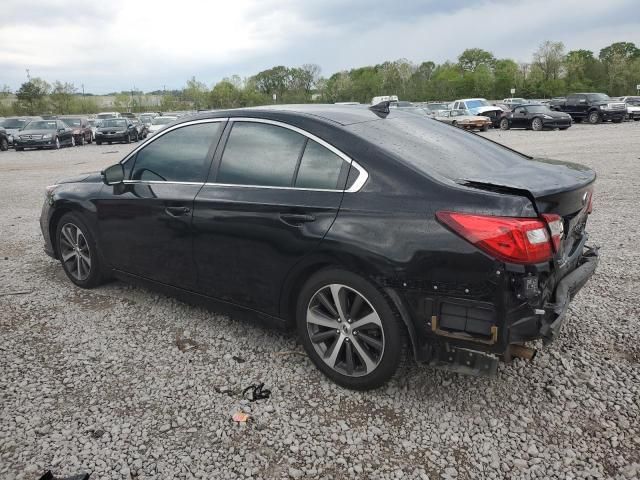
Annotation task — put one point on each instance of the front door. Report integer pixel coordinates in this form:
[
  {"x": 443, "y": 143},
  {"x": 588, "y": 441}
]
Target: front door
[
  {"x": 145, "y": 223},
  {"x": 274, "y": 194}
]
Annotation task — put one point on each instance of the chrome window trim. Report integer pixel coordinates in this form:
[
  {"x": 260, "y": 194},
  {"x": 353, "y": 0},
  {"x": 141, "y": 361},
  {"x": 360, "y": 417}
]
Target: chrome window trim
[
  {"x": 161, "y": 133},
  {"x": 363, "y": 175}
]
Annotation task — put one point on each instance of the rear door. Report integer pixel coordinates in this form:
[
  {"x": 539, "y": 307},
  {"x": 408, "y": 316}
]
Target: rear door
[
  {"x": 272, "y": 195},
  {"x": 145, "y": 223}
]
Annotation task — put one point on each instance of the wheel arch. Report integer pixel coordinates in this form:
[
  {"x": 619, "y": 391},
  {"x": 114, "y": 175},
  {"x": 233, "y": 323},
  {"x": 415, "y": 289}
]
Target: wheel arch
[
  {"x": 298, "y": 276},
  {"x": 62, "y": 208}
]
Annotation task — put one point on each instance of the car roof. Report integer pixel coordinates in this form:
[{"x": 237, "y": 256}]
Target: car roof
[{"x": 337, "y": 114}]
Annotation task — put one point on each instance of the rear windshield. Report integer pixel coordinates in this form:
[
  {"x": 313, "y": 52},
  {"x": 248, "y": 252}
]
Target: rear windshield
[
  {"x": 436, "y": 148},
  {"x": 72, "y": 122},
  {"x": 162, "y": 120}
]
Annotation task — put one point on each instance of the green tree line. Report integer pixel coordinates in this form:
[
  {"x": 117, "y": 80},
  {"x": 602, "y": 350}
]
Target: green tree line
[{"x": 552, "y": 71}]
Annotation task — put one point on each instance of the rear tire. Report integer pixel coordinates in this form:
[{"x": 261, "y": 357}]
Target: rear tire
[
  {"x": 368, "y": 354},
  {"x": 504, "y": 124},
  {"x": 78, "y": 251},
  {"x": 594, "y": 118},
  {"x": 485, "y": 128}
]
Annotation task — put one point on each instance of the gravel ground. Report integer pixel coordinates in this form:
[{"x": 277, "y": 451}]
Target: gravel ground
[{"x": 125, "y": 383}]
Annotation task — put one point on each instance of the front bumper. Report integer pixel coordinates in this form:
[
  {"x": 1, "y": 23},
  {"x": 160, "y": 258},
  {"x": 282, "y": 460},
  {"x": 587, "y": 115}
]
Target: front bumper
[
  {"x": 556, "y": 123},
  {"x": 111, "y": 137},
  {"x": 613, "y": 114},
  {"x": 49, "y": 143},
  {"x": 45, "y": 218}
]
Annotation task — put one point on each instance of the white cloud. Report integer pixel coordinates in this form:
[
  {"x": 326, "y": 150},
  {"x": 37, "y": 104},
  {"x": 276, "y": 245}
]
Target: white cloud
[{"x": 118, "y": 44}]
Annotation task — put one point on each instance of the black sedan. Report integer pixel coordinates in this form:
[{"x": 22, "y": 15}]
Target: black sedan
[
  {"x": 535, "y": 117},
  {"x": 4, "y": 140},
  {"x": 116, "y": 130},
  {"x": 373, "y": 232},
  {"x": 44, "y": 134}
]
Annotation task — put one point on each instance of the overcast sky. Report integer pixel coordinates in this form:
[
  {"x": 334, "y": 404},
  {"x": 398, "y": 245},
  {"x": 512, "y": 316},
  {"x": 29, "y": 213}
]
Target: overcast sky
[{"x": 114, "y": 45}]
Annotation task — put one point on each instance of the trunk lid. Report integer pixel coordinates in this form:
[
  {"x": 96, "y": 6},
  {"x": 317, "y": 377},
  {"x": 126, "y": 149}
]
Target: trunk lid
[{"x": 553, "y": 187}]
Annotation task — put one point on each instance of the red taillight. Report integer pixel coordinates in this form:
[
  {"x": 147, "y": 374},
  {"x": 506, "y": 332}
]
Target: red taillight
[
  {"x": 510, "y": 239},
  {"x": 556, "y": 227}
]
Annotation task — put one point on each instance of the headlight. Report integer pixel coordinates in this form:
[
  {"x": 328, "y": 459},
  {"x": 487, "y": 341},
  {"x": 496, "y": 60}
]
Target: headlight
[
  {"x": 98, "y": 133},
  {"x": 46, "y": 136},
  {"x": 548, "y": 117}
]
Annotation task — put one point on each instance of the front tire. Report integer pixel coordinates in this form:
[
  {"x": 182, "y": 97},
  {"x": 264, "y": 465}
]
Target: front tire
[
  {"x": 4, "y": 145},
  {"x": 617, "y": 120},
  {"x": 349, "y": 329},
  {"x": 83, "y": 140},
  {"x": 536, "y": 124},
  {"x": 98, "y": 142},
  {"x": 73, "y": 141},
  {"x": 594, "y": 117},
  {"x": 127, "y": 139},
  {"x": 56, "y": 144},
  {"x": 78, "y": 252}
]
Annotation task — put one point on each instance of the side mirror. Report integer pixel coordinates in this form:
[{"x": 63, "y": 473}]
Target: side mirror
[
  {"x": 113, "y": 175},
  {"x": 61, "y": 130}
]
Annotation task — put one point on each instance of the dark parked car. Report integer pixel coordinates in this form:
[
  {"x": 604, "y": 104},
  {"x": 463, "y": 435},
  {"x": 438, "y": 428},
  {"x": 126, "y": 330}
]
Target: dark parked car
[
  {"x": 141, "y": 128},
  {"x": 372, "y": 235},
  {"x": 44, "y": 134},
  {"x": 592, "y": 107},
  {"x": 4, "y": 140},
  {"x": 116, "y": 130},
  {"x": 536, "y": 117},
  {"x": 13, "y": 125},
  {"x": 81, "y": 129}
]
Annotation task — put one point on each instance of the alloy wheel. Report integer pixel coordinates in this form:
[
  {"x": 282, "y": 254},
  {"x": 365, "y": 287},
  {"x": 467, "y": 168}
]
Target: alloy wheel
[
  {"x": 537, "y": 124},
  {"x": 74, "y": 252},
  {"x": 345, "y": 330},
  {"x": 57, "y": 143}
]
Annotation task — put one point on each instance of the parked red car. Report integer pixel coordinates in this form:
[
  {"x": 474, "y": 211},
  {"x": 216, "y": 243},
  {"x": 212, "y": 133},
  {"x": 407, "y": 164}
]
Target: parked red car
[{"x": 81, "y": 129}]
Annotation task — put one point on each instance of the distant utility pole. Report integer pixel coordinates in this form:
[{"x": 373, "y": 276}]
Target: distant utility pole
[
  {"x": 83, "y": 91},
  {"x": 28, "y": 76}
]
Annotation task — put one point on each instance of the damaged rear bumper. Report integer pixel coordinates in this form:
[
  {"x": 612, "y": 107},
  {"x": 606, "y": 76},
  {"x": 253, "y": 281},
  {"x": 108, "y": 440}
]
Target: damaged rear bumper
[{"x": 566, "y": 288}]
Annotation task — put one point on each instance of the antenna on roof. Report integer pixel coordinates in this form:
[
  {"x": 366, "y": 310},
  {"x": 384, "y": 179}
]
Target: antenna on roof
[{"x": 381, "y": 109}]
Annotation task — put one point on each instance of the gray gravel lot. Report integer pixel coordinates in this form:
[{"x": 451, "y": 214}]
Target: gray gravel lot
[{"x": 125, "y": 383}]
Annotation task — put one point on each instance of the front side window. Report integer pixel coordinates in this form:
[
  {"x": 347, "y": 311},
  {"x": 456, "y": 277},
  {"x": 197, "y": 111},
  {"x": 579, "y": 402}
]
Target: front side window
[
  {"x": 260, "y": 154},
  {"x": 181, "y": 155},
  {"x": 320, "y": 168}
]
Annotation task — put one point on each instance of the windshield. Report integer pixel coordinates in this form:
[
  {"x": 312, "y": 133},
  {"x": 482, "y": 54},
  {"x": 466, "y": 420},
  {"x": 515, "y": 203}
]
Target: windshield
[
  {"x": 162, "y": 120},
  {"x": 434, "y": 147},
  {"x": 477, "y": 103},
  {"x": 42, "y": 125},
  {"x": 114, "y": 122},
  {"x": 72, "y": 122},
  {"x": 105, "y": 115},
  {"x": 459, "y": 113},
  {"x": 597, "y": 97},
  {"x": 146, "y": 118},
  {"x": 14, "y": 123}
]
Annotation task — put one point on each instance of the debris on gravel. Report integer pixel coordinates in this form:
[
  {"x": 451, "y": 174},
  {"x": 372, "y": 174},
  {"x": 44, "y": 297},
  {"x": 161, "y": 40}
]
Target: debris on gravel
[{"x": 124, "y": 383}]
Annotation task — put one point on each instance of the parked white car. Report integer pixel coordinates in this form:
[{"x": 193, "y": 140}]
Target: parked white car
[
  {"x": 159, "y": 123},
  {"x": 633, "y": 107}
]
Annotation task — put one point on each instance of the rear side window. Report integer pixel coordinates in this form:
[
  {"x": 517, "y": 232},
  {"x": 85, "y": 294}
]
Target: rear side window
[
  {"x": 320, "y": 168},
  {"x": 180, "y": 155},
  {"x": 260, "y": 154}
]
